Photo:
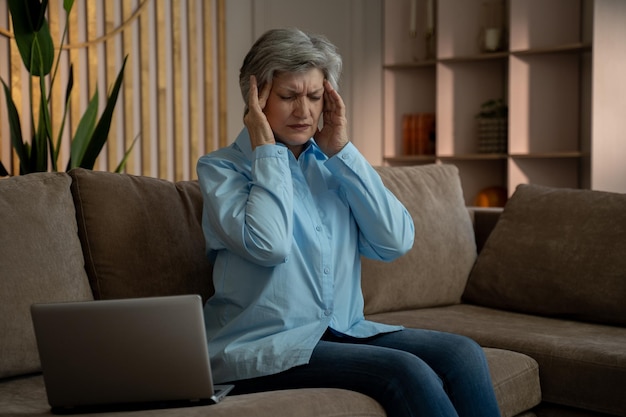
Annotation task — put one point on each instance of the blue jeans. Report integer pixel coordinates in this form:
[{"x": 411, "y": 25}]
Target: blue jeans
[{"x": 410, "y": 373}]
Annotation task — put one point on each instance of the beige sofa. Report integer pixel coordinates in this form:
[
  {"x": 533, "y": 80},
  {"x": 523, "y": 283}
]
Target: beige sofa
[{"x": 545, "y": 297}]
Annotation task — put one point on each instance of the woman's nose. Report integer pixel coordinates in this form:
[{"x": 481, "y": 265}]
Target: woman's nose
[{"x": 301, "y": 107}]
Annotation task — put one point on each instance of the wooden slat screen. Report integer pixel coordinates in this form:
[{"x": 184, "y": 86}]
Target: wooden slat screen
[{"x": 172, "y": 97}]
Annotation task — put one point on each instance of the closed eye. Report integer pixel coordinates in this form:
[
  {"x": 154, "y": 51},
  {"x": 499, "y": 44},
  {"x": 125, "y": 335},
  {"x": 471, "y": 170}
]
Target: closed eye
[{"x": 291, "y": 98}]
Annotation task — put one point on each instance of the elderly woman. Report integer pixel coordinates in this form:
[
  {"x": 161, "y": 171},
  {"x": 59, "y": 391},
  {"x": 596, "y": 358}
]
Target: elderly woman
[{"x": 289, "y": 209}]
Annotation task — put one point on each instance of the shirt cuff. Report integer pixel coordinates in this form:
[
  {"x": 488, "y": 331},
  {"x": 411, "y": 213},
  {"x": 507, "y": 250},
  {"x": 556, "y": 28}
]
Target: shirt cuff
[
  {"x": 345, "y": 157},
  {"x": 271, "y": 151}
]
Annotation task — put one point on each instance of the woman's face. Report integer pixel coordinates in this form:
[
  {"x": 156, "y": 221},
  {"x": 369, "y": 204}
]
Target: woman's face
[{"x": 294, "y": 107}]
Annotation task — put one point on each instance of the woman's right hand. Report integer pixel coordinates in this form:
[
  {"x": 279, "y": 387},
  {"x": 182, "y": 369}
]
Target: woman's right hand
[{"x": 259, "y": 128}]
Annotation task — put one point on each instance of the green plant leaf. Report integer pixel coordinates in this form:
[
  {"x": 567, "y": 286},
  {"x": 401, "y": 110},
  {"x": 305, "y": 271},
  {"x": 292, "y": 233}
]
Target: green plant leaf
[
  {"x": 70, "y": 84},
  {"x": 63, "y": 37},
  {"x": 101, "y": 131},
  {"x": 32, "y": 35},
  {"x": 84, "y": 133},
  {"x": 67, "y": 5},
  {"x": 39, "y": 15},
  {"x": 122, "y": 163},
  {"x": 16, "y": 131},
  {"x": 44, "y": 129},
  {"x": 40, "y": 142},
  {"x": 3, "y": 170},
  {"x": 32, "y": 166},
  {"x": 68, "y": 91},
  {"x": 29, "y": 24}
]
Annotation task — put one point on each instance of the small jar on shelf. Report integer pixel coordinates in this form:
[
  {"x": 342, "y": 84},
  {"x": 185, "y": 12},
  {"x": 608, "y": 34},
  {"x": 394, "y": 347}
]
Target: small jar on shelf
[{"x": 492, "y": 34}]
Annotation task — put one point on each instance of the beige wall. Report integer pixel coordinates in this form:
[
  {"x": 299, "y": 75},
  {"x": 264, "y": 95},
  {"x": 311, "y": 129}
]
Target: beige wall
[{"x": 608, "y": 119}]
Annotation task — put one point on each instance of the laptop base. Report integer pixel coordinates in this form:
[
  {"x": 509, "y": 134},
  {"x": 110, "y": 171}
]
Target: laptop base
[{"x": 220, "y": 393}]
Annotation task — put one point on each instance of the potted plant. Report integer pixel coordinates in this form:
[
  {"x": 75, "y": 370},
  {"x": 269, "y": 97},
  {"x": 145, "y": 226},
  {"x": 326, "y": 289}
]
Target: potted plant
[
  {"x": 493, "y": 126},
  {"x": 36, "y": 48}
]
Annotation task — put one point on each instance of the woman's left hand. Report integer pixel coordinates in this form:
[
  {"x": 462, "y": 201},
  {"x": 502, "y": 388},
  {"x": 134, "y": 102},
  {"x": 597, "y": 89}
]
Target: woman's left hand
[{"x": 333, "y": 136}]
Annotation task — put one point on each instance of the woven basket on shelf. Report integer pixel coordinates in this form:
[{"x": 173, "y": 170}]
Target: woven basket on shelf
[{"x": 492, "y": 135}]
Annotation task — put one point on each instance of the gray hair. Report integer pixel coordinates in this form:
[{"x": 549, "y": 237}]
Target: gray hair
[{"x": 288, "y": 50}]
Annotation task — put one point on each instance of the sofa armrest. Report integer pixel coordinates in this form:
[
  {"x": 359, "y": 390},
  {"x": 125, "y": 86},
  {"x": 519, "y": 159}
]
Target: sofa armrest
[{"x": 484, "y": 220}]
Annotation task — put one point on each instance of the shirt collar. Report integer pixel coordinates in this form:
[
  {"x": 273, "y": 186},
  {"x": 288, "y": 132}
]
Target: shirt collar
[{"x": 243, "y": 143}]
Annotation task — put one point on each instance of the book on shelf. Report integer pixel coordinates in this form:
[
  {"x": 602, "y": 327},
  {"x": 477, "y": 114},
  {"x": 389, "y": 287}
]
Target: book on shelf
[{"x": 418, "y": 134}]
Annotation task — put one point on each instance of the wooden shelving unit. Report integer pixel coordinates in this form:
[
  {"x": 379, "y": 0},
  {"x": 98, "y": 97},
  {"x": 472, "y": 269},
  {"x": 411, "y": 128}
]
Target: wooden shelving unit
[{"x": 543, "y": 72}]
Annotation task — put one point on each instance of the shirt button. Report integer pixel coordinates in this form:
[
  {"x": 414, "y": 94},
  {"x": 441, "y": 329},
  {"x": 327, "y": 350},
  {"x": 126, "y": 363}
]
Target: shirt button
[
  {"x": 326, "y": 270},
  {"x": 318, "y": 228},
  {"x": 280, "y": 151},
  {"x": 328, "y": 312}
]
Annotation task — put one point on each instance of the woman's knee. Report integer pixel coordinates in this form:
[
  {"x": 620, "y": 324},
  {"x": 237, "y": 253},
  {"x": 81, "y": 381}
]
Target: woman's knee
[
  {"x": 468, "y": 349},
  {"x": 408, "y": 365},
  {"x": 453, "y": 355}
]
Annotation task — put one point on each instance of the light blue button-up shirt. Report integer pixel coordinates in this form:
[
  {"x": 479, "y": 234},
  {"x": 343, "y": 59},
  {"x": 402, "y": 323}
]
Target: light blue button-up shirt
[{"x": 286, "y": 237}]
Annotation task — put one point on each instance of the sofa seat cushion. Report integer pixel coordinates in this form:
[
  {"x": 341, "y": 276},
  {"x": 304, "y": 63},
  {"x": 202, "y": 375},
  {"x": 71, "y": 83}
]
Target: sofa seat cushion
[
  {"x": 141, "y": 236},
  {"x": 26, "y": 397},
  {"x": 40, "y": 261},
  {"x": 515, "y": 378},
  {"x": 581, "y": 365},
  {"x": 556, "y": 252},
  {"x": 444, "y": 247}
]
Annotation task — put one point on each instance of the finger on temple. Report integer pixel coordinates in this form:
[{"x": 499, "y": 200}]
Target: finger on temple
[
  {"x": 253, "y": 92},
  {"x": 265, "y": 93}
]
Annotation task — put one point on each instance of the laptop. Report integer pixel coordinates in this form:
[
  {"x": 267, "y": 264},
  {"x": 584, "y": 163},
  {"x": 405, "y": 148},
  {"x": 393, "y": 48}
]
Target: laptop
[{"x": 125, "y": 354}]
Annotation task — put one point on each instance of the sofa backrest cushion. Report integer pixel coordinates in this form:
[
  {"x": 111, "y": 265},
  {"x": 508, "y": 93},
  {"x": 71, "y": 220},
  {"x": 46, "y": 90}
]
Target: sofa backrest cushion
[
  {"x": 141, "y": 236},
  {"x": 434, "y": 272},
  {"x": 40, "y": 261},
  {"x": 556, "y": 252}
]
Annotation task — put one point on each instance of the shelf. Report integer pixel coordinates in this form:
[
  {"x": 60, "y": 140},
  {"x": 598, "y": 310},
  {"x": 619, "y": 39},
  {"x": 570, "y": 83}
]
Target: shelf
[
  {"x": 540, "y": 24},
  {"x": 544, "y": 72},
  {"x": 550, "y": 155},
  {"x": 574, "y": 48},
  {"x": 544, "y": 103},
  {"x": 473, "y": 157},
  {"x": 553, "y": 172},
  {"x": 474, "y": 58},
  {"x": 411, "y": 159},
  {"x": 410, "y": 65}
]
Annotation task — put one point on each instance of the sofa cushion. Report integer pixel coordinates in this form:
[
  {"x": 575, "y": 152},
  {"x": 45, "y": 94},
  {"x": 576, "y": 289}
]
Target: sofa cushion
[
  {"x": 581, "y": 365},
  {"x": 141, "y": 236},
  {"x": 515, "y": 378},
  {"x": 557, "y": 252},
  {"x": 40, "y": 261},
  {"x": 26, "y": 397},
  {"x": 434, "y": 272}
]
